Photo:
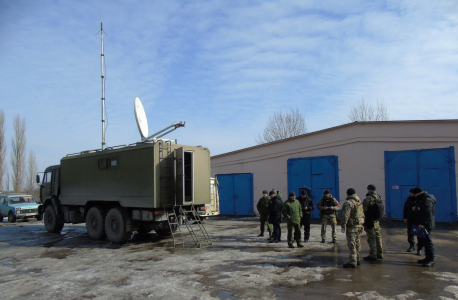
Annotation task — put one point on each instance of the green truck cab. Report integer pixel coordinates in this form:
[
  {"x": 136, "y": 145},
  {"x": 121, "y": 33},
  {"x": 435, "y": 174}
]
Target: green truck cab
[{"x": 123, "y": 189}]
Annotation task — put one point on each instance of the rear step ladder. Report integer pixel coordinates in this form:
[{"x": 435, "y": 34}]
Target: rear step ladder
[
  {"x": 191, "y": 219},
  {"x": 170, "y": 213}
]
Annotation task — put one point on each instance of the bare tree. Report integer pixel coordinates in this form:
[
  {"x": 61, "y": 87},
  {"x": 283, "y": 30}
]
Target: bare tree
[
  {"x": 3, "y": 167},
  {"x": 31, "y": 185},
  {"x": 282, "y": 125},
  {"x": 18, "y": 154},
  {"x": 364, "y": 111}
]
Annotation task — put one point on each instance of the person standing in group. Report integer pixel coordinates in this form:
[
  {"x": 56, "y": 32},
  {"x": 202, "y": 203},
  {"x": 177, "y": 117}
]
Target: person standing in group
[
  {"x": 292, "y": 211},
  {"x": 408, "y": 217},
  {"x": 263, "y": 209},
  {"x": 307, "y": 208},
  {"x": 372, "y": 224},
  {"x": 424, "y": 215},
  {"x": 275, "y": 212},
  {"x": 328, "y": 207},
  {"x": 351, "y": 222}
]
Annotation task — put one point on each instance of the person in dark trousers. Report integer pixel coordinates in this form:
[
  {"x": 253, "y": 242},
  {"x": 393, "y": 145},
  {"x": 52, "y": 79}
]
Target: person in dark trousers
[
  {"x": 424, "y": 215},
  {"x": 307, "y": 208},
  {"x": 275, "y": 214},
  {"x": 408, "y": 217},
  {"x": 263, "y": 209}
]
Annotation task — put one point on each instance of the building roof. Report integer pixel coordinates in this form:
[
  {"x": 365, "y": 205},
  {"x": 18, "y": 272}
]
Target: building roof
[{"x": 335, "y": 128}]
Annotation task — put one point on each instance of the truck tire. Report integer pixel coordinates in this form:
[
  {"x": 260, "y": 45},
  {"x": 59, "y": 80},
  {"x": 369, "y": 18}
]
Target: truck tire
[
  {"x": 95, "y": 223},
  {"x": 118, "y": 225},
  {"x": 39, "y": 217},
  {"x": 11, "y": 218},
  {"x": 50, "y": 220}
]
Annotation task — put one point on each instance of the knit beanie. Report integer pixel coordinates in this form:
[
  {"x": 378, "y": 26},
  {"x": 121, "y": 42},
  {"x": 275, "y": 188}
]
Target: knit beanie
[
  {"x": 371, "y": 187},
  {"x": 292, "y": 194},
  {"x": 303, "y": 192},
  {"x": 351, "y": 191}
]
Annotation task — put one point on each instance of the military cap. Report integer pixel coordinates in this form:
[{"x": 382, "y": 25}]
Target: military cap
[
  {"x": 371, "y": 187},
  {"x": 265, "y": 192},
  {"x": 271, "y": 193},
  {"x": 326, "y": 192},
  {"x": 351, "y": 191},
  {"x": 417, "y": 190}
]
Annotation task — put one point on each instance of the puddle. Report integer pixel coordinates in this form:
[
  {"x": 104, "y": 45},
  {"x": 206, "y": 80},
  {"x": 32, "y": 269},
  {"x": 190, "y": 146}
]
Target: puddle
[
  {"x": 225, "y": 295},
  {"x": 27, "y": 271},
  {"x": 58, "y": 254},
  {"x": 8, "y": 262}
]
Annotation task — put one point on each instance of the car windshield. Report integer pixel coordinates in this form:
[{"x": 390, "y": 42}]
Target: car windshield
[{"x": 19, "y": 200}]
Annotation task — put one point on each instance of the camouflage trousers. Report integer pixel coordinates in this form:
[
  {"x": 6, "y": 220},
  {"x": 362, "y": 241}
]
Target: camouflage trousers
[
  {"x": 297, "y": 233},
  {"x": 265, "y": 221},
  {"x": 354, "y": 245},
  {"x": 374, "y": 240},
  {"x": 331, "y": 219}
]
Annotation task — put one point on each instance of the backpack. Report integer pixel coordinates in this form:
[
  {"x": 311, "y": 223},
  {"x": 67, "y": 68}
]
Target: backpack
[{"x": 379, "y": 208}]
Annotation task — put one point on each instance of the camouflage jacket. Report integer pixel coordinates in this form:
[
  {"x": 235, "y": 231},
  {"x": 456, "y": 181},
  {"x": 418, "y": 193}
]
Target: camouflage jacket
[
  {"x": 352, "y": 214},
  {"x": 328, "y": 202},
  {"x": 263, "y": 205},
  {"x": 292, "y": 211}
]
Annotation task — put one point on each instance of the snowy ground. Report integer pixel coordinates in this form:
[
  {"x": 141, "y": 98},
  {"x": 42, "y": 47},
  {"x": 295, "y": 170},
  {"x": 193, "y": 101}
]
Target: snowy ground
[{"x": 239, "y": 265}]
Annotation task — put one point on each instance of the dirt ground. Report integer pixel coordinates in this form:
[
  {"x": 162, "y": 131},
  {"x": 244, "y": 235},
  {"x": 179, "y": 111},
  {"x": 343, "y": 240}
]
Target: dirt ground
[{"x": 239, "y": 265}]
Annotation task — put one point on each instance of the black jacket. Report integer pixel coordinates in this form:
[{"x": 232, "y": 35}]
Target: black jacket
[
  {"x": 424, "y": 214},
  {"x": 408, "y": 212},
  {"x": 275, "y": 210},
  {"x": 306, "y": 202}
]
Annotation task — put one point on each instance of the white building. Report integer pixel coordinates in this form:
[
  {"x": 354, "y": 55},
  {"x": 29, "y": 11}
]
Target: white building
[{"x": 394, "y": 155}]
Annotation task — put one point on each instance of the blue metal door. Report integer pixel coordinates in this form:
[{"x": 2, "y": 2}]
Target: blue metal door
[
  {"x": 315, "y": 174},
  {"x": 433, "y": 170},
  {"x": 236, "y": 194}
]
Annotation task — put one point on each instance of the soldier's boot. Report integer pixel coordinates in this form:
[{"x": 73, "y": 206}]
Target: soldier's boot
[
  {"x": 429, "y": 263},
  {"x": 306, "y": 237},
  {"x": 422, "y": 261},
  {"x": 290, "y": 246},
  {"x": 262, "y": 234},
  {"x": 358, "y": 263},
  {"x": 349, "y": 265},
  {"x": 379, "y": 256},
  {"x": 323, "y": 241},
  {"x": 370, "y": 258},
  {"x": 334, "y": 241},
  {"x": 419, "y": 252},
  {"x": 411, "y": 248}
]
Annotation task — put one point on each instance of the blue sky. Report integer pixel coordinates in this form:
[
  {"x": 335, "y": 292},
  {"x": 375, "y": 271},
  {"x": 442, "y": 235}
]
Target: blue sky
[{"x": 221, "y": 66}]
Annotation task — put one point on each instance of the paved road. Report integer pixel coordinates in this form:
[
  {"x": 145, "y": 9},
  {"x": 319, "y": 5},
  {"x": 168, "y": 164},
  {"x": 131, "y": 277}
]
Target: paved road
[{"x": 239, "y": 265}]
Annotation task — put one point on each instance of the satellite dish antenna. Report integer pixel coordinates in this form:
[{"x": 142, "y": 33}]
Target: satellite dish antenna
[
  {"x": 140, "y": 117},
  {"x": 142, "y": 123}
]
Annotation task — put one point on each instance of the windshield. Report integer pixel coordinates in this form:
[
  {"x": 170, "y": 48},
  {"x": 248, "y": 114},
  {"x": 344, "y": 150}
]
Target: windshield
[{"x": 19, "y": 200}]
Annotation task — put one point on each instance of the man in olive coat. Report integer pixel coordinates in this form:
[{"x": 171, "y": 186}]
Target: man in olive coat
[
  {"x": 292, "y": 211},
  {"x": 328, "y": 207},
  {"x": 351, "y": 222},
  {"x": 263, "y": 209}
]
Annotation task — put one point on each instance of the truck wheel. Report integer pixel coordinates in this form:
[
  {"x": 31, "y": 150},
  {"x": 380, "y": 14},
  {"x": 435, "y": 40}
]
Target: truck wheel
[
  {"x": 95, "y": 223},
  {"x": 11, "y": 218},
  {"x": 39, "y": 217},
  {"x": 118, "y": 225},
  {"x": 50, "y": 220}
]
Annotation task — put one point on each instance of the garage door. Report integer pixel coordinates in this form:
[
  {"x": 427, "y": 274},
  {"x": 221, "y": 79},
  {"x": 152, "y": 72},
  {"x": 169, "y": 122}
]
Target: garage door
[
  {"x": 315, "y": 174},
  {"x": 236, "y": 194},
  {"x": 433, "y": 170}
]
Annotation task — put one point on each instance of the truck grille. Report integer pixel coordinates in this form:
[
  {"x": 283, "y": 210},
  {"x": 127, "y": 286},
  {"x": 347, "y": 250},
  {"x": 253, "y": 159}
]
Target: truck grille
[{"x": 28, "y": 211}]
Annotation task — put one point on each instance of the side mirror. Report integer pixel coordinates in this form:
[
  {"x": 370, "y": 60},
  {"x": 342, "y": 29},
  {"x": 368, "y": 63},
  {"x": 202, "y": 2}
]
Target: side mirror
[{"x": 38, "y": 179}]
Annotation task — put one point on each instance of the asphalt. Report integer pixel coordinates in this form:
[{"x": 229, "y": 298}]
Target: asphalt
[{"x": 238, "y": 265}]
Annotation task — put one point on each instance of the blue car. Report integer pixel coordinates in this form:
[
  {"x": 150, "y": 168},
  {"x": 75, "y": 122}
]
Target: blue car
[{"x": 18, "y": 206}]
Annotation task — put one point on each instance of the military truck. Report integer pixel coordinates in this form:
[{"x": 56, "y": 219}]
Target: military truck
[{"x": 122, "y": 189}]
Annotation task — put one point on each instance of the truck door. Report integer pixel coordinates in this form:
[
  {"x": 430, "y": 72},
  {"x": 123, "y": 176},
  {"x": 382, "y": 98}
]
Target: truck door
[
  {"x": 3, "y": 206},
  {"x": 184, "y": 176},
  {"x": 46, "y": 186}
]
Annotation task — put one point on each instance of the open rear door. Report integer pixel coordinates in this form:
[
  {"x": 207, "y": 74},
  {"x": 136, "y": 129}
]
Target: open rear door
[{"x": 179, "y": 176}]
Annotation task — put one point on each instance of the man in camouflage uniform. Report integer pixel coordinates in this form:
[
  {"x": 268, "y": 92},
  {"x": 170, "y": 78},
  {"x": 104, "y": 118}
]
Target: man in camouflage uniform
[
  {"x": 351, "y": 222},
  {"x": 372, "y": 225},
  {"x": 263, "y": 209},
  {"x": 328, "y": 207},
  {"x": 292, "y": 211}
]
